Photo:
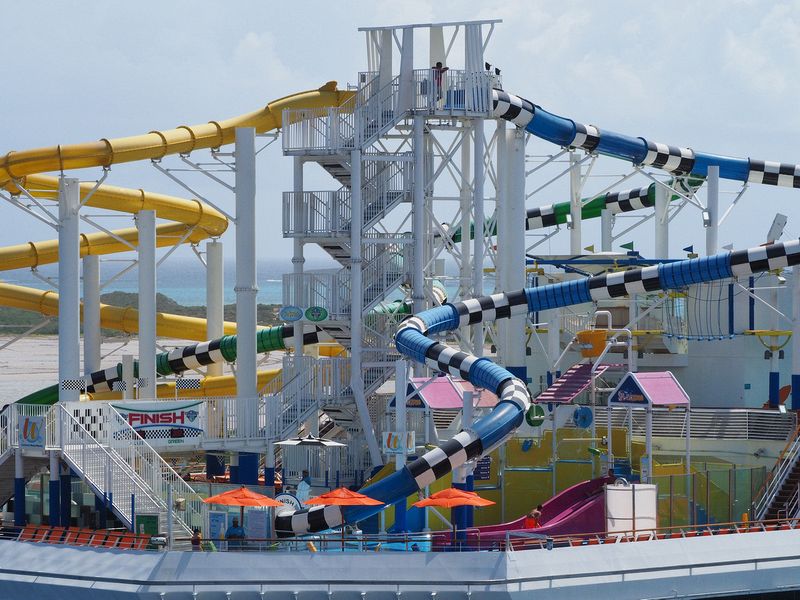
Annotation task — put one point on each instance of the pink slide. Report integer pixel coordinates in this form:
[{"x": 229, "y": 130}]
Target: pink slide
[{"x": 578, "y": 509}]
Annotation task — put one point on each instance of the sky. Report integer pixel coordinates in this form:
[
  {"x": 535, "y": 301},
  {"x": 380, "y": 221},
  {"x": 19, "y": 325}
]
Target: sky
[{"x": 715, "y": 75}]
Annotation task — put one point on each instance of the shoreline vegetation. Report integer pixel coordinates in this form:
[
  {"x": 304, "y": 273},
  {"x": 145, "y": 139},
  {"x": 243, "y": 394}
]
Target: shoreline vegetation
[{"x": 14, "y": 321}]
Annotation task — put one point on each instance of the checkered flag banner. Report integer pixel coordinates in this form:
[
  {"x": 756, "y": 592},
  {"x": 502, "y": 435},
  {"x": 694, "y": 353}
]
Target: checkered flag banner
[
  {"x": 142, "y": 382},
  {"x": 187, "y": 384},
  {"x": 119, "y": 386},
  {"x": 73, "y": 384}
]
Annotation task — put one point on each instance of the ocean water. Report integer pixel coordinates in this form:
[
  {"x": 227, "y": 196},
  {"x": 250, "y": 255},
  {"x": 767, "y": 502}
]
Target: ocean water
[{"x": 183, "y": 280}]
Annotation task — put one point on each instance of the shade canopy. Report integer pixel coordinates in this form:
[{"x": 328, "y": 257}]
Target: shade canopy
[
  {"x": 310, "y": 440},
  {"x": 344, "y": 497},
  {"x": 242, "y": 497},
  {"x": 452, "y": 497}
]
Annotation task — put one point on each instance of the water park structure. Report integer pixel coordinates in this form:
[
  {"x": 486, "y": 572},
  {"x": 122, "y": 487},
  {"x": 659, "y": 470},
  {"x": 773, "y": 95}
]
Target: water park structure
[{"x": 401, "y": 375}]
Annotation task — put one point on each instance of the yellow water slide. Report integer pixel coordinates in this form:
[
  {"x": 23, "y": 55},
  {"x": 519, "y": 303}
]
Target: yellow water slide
[{"x": 192, "y": 220}]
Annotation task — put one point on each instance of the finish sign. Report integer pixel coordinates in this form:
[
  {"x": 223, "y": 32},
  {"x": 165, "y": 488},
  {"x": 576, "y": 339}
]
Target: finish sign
[
  {"x": 290, "y": 314},
  {"x": 535, "y": 415},
  {"x": 316, "y": 314}
]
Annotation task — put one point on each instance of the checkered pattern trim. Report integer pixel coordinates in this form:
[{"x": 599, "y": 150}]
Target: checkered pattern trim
[
  {"x": 489, "y": 308},
  {"x": 541, "y": 216},
  {"x": 623, "y": 283},
  {"x": 586, "y": 137},
  {"x": 448, "y": 360},
  {"x": 308, "y": 520},
  {"x": 511, "y": 108},
  {"x": 73, "y": 384},
  {"x": 102, "y": 381},
  {"x": 670, "y": 158},
  {"x": 628, "y": 200},
  {"x": 774, "y": 173},
  {"x": 195, "y": 356},
  {"x": 765, "y": 258},
  {"x": 312, "y": 334},
  {"x": 187, "y": 384},
  {"x": 513, "y": 390},
  {"x": 444, "y": 459}
]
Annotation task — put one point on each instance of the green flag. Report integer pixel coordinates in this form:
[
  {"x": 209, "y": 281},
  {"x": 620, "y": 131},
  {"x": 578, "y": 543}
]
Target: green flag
[
  {"x": 589, "y": 248},
  {"x": 628, "y": 246}
]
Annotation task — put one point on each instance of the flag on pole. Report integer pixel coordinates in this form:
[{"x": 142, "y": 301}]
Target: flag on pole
[
  {"x": 589, "y": 248},
  {"x": 689, "y": 249},
  {"x": 628, "y": 246}
]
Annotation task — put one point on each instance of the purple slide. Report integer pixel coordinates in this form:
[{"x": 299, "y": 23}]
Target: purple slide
[{"x": 578, "y": 509}]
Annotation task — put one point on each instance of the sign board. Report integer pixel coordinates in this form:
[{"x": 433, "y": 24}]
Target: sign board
[
  {"x": 31, "y": 432},
  {"x": 290, "y": 500},
  {"x": 316, "y": 314},
  {"x": 393, "y": 443},
  {"x": 217, "y": 525},
  {"x": 146, "y": 523},
  {"x": 628, "y": 392},
  {"x": 256, "y": 523},
  {"x": 290, "y": 313},
  {"x": 483, "y": 469},
  {"x": 164, "y": 424}
]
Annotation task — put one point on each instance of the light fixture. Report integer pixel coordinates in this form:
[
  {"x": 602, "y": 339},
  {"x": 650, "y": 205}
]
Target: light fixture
[
  {"x": 570, "y": 224},
  {"x": 706, "y": 218},
  {"x": 782, "y": 409}
]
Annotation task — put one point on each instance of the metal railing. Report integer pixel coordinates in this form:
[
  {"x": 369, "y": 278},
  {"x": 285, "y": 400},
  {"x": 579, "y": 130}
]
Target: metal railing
[
  {"x": 109, "y": 476},
  {"x": 778, "y": 474},
  {"x": 711, "y": 423},
  {"x": 453, "y": 90},
  {"x": 121, "y": 465}
]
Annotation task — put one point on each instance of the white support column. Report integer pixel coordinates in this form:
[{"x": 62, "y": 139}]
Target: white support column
[
  {"x": 661, "y": 223},
  {"x": 298, "y": 258},
  {"x": 514, "y": 242},
  {"x": 795, "y": 405},
  {"x": 503, "y": 260},
  {"x": 92, "y": 336},
  {"x": 553, "y": 339},
  {"x": 146, "y": 250},
  {"x": 127, "y": 376},
  {"x": 418, "y": 217},
  {"x": 633, "y": 314},
  {"x": 246, "y": 287},
  {"x": 466, "y": 214},
  {"x": 575, "y": 239},
  {"x": 400, "y": 390},
  {"x": 69, "y": 332},
  {"x": 606, "y": 230},
  {"x": 479, "y": 219},
  {"x": 712, "y": 207},
  {"x": 215, "y": 297},
  {"x": 357, "y": 306},
  {"x": 649, "y": 445}
]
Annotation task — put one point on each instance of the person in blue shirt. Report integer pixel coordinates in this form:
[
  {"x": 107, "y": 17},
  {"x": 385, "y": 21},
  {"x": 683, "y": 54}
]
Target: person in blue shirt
[
  {"x": 304, "y": 488},
  {"x": 235, "y": 536}
]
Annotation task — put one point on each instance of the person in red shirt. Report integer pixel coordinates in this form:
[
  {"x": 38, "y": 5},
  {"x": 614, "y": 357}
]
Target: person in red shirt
[{"x": 533, "y": 518}]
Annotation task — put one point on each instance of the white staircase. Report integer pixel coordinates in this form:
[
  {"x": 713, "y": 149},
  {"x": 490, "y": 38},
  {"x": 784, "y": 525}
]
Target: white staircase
[{"x": 118, "y": 465}]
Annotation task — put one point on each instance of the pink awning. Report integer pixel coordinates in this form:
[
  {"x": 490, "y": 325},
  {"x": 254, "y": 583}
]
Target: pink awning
[{"x": 444, "y": 393}]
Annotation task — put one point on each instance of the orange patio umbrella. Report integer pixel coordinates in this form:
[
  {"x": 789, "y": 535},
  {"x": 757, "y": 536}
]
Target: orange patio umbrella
[
  {"x": 241, "y": 498},
  {"x": 344, "y": 497},
  {"x": 452, "y": 497}
]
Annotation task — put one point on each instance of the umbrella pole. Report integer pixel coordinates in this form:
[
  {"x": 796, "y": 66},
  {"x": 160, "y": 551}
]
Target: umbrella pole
[{"x": 454, "y": 531}]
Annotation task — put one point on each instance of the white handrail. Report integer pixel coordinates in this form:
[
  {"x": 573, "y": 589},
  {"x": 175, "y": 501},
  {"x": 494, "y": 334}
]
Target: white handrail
[{"x": 189, "y": 509}]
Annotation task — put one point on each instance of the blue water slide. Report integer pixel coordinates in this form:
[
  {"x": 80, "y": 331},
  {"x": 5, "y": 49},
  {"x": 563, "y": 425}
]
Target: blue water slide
[
  {"x": 496, "y": 427},
  {"x": 638, "y": 150}
]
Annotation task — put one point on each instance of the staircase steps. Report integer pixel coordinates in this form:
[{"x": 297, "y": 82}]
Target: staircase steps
[{"x": 571, "y": 383}]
